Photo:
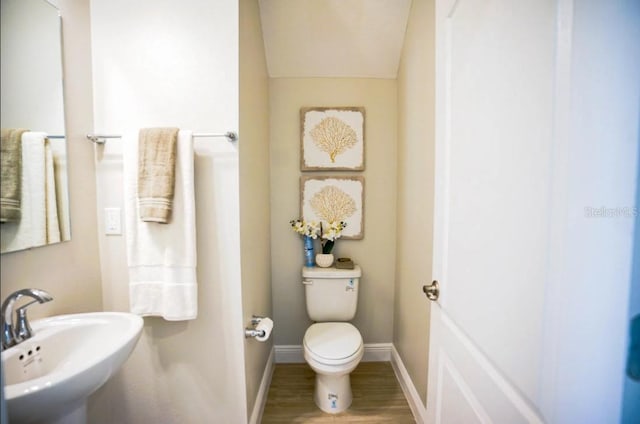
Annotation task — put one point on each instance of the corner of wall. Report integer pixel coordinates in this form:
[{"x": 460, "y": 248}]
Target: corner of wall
[
  {"x": 255, "y": 230},
  {"x": 416, "y": 80}
]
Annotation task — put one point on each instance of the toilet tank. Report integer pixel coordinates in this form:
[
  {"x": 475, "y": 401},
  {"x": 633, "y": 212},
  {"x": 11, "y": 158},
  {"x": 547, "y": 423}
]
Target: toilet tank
[{"x": 331, "y": 294}]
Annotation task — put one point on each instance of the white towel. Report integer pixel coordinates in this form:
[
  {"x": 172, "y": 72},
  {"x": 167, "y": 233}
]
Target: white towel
[
  {"x": 51, "y": 201},
  {"x": 31, "y": 230},
  {"x": 59, "y": 152},
  {"x": 162, "y": 257}
]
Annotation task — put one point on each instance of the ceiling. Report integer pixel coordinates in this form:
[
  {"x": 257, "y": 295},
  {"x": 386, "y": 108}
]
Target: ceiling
[{"x": 333, "y": 38}]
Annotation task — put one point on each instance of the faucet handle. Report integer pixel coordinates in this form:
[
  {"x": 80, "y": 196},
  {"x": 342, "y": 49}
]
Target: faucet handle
[{"x": 22, "y": 328}]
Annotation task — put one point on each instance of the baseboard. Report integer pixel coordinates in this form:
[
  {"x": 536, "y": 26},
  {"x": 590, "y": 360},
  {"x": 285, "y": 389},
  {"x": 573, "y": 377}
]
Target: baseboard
[
  {"x": 413, "y": 398},
  {"x": 294, "y": 354},
  {"x": 289, "y": 354},
  {"x": 377, "y": 352},
  {"x": 261, "y": 398}
]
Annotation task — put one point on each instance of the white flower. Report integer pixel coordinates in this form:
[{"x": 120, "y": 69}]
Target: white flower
[
  {"x": 333, "y": 230},
  {"x": 308, "y": 229},
  {"x": 313, "y": 228},
  {"x": 298, "y": 227},
  {"x": 329, "y": 231}
]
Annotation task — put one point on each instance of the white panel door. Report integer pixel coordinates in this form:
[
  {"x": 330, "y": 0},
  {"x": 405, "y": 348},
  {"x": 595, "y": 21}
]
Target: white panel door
[
  {"x": 495, "y": 71},
  {"x": 536, "y": 166}
]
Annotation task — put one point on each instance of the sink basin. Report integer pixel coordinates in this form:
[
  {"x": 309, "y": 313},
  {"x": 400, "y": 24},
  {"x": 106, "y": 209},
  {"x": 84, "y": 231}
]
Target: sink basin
[{"x": 49, "y": 376}]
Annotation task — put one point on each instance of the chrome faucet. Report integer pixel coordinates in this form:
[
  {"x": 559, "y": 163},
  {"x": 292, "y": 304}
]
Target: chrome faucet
[{"x": 15, "y": 334}]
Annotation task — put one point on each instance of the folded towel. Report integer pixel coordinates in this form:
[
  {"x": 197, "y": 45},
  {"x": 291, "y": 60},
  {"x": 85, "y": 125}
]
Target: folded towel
[
  {"x": 10, "y": 165},
  {"x": 31, "y": 230},
  {"x": 162, "y": 258},
  {"x": 156, "y": 173},
  {"x": 59, "y": 150},
  {"x": 51, "y": 201}
]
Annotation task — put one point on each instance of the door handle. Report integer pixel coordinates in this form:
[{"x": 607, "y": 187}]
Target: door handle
[{"x": 432, "y": 290}]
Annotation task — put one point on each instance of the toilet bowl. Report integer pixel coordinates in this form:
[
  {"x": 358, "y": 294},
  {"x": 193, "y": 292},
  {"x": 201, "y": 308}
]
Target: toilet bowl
[{"x": 333, "y": 350}]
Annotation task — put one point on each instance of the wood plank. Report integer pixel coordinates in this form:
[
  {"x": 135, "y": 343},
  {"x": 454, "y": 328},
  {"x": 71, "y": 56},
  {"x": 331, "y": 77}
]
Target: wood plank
[{"x": 377, "y": 397}]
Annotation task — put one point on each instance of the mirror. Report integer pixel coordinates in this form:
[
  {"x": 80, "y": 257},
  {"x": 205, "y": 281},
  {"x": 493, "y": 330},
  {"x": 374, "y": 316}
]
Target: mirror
[{"x": 35, "y": 193}]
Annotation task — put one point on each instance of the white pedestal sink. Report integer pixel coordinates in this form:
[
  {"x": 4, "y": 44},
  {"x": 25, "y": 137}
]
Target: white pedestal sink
[{"x": 49, "y": 377}]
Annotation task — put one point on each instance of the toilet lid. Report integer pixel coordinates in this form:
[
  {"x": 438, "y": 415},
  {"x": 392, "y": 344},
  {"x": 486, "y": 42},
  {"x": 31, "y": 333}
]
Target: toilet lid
[{"x": 333, "y": 340}]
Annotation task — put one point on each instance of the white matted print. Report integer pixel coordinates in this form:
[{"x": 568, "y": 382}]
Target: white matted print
[
  {"x": 329, "y": 199},
  {"x": 332, "y": 138}
]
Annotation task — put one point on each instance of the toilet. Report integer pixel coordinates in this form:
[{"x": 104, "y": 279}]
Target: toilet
[{"x": 333, "y": 347}]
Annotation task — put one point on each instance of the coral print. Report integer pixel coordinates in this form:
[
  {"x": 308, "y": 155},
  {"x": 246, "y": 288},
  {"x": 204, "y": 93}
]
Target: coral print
[
  {"x": 332, "y": 138},
  {"x": 336, "y": 203},
  {"x": 332, "y": 204}
]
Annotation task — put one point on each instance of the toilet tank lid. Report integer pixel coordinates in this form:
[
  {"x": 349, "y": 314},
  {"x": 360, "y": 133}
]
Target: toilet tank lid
[{"x": 317, "y": 272}]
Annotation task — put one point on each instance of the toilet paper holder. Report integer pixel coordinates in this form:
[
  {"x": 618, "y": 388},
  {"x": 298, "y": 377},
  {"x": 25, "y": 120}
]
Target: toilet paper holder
[{"x": 253, "y": 332}]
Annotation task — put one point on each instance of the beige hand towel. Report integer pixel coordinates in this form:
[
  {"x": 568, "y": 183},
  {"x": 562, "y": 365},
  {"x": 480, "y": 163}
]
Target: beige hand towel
[
  {"x": 156, "y": 173},
  {"x": 31, "y": 230},
  {"x": 10, "y": 164}
]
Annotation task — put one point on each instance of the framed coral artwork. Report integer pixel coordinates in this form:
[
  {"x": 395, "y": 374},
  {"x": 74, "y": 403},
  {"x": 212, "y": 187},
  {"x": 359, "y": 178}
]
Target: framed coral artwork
[
  {"x": 330, "y": 199},
  {"x": 332, "y": 138}
]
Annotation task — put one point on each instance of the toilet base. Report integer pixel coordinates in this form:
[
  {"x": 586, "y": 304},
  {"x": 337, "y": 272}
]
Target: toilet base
[{"x": 333, "y": 393}]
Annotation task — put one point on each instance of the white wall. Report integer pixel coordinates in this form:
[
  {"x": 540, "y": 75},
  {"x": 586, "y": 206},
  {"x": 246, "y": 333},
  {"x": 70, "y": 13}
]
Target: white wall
[
  {"x": 416, "y": 102},
  {"x": 376, "y": 252},
  {"x": 159, "y": 63}
]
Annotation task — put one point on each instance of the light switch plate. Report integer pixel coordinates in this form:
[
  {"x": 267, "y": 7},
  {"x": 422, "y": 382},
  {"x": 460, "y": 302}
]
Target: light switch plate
[{"x": 112, "y": 221}]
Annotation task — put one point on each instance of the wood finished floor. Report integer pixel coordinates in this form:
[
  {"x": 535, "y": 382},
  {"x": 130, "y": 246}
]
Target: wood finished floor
[{"x": 377, "y": 397}]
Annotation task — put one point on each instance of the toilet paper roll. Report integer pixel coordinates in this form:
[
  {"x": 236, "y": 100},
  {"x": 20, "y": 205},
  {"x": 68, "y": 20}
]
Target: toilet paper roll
[{"x": 266, "y": 325}]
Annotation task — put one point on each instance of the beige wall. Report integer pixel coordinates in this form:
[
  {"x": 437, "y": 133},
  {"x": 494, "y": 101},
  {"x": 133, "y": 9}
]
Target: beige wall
[
  {"x": 416, "y": 99},
  {"x": 376, "y": 252},
  {"x": 254, "y": 191},
  {"x": 70, "y": 271}
]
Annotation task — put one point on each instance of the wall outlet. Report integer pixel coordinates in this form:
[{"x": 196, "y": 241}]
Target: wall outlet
[{"x": 112, "y": 221}]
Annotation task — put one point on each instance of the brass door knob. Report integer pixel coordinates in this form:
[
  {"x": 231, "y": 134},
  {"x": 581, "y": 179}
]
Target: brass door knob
[{"x": 432, "y": 290}]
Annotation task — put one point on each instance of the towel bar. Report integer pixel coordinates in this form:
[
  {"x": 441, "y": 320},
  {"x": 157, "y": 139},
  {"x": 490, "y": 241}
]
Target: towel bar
[{"x": 101, "y": 138}]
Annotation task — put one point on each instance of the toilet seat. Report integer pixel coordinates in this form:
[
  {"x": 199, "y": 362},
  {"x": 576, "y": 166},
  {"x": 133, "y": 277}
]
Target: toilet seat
[{"x": 333, "y": 343}]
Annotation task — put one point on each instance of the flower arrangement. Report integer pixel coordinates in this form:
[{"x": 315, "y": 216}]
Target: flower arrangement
[
  {"x": 309, "y": 231},
  {"x": 330, "y": 233},
  {"x": 304, "y": 228}
]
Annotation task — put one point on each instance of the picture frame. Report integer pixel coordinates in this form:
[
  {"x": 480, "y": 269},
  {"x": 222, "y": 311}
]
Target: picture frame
[
  {"x": 332, "y": 198},
  {"x": 332, "y": 138}
]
